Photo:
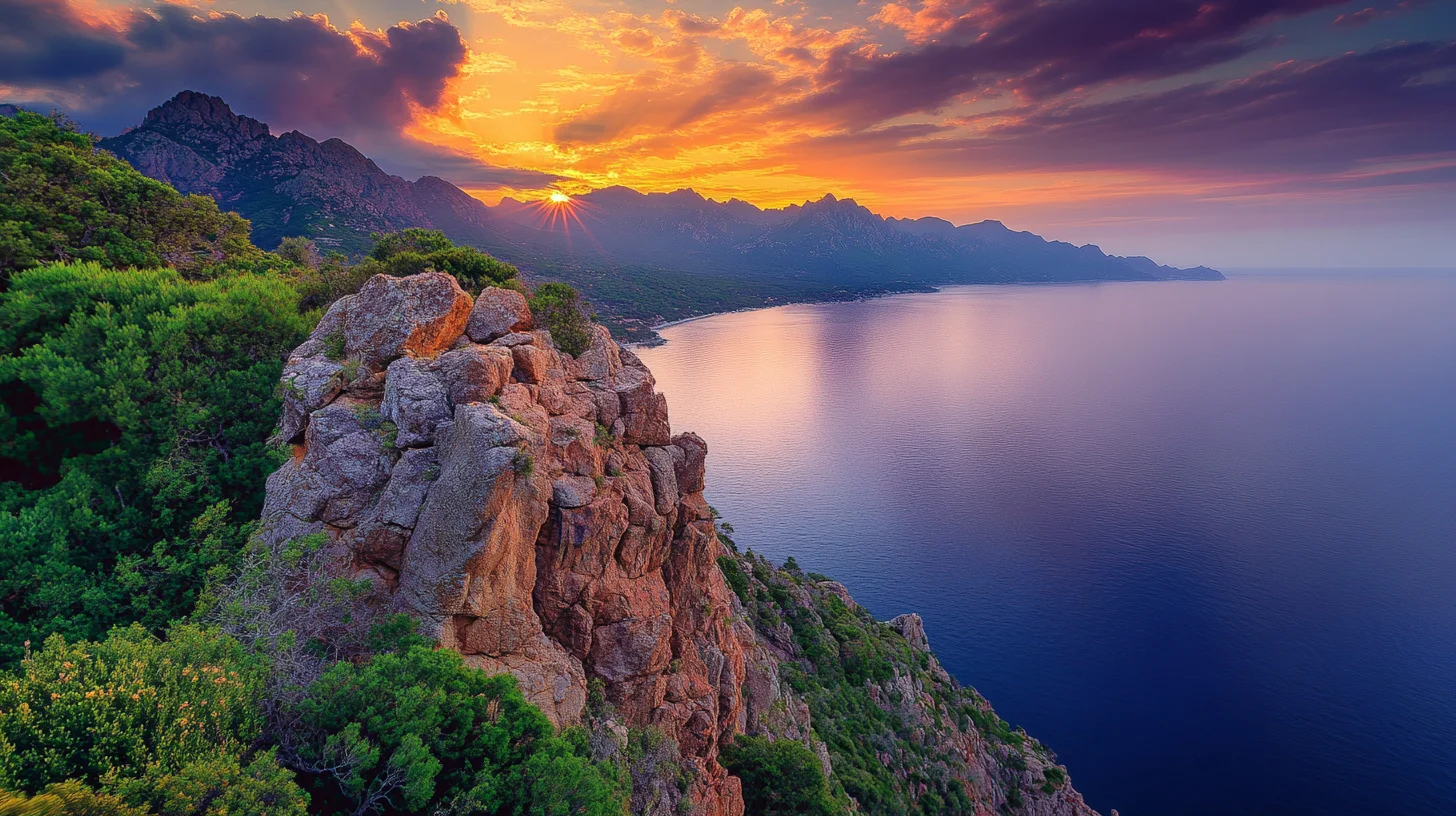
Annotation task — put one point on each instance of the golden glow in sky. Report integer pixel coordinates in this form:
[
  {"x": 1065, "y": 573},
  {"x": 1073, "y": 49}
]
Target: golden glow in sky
[{"x": 1139, "y": 126}]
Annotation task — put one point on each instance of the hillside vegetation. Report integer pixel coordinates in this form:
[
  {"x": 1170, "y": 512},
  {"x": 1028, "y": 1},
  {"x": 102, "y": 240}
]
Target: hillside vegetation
[{"x": 142, "y": 337}]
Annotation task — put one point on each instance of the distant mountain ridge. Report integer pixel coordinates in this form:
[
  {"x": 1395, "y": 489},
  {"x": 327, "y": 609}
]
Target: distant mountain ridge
[
  {"x": 288, "y": 184},
  {"x": 644, "y": 227},
  {"x": 641, "y": 258}
]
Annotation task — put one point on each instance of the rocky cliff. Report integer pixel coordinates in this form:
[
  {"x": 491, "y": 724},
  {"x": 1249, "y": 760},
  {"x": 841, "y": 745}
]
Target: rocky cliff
[{"x": 535, "y": 512}]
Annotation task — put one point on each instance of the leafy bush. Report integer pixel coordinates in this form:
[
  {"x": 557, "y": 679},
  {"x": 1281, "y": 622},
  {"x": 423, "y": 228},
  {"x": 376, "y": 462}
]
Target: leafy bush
[
  {"x": 322, "y": 279},
  {"x": 411, "y": 251},
  {"x": 415, "y": 726},
  {"x": 558, "y": 307},
  {"x": 419, "y": 241},
  {"x": 66, "y": 799},
  {"x": 64, "y": 200},
  {"x": 164, "y": 724},
  {"x": 734, "y": 577},
  {"x": 134, "y": 412},
  {"x": 779, "y": 777}
]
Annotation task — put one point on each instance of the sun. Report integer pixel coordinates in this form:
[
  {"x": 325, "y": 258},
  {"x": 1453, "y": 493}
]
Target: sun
[{"x": 559, "y": 198}]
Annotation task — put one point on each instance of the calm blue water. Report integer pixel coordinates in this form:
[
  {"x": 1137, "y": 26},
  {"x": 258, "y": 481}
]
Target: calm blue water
[{"x": 1200, "y": 538}]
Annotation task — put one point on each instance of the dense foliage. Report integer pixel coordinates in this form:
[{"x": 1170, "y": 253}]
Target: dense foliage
[
  {"x": 136, "y": 406},
  {"x": 158, "y": 726},
  {"x": 411, "y": 251},
  {"x": 415, "y": 726},
  {"x": 64, "y": 200},
  {"x": 134, "y": 412},
  {"x": 780, "y": 777},
  {"x": 324, "y": 278},
  {"x": 558, "y": 308}
]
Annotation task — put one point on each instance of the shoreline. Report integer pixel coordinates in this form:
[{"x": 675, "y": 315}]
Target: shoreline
[
  {"x": 658, "y": 339},
  {"x": 657, "y": 328}
]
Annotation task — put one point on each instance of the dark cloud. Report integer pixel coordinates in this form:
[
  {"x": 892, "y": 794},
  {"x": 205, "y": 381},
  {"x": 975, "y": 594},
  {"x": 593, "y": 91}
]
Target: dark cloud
[
  {"x": 296, "y": 72},
  {"x": 1358, "y": 119},
  {"x": 1039, "y": 48},
  {"x": 45, "y": 41}
]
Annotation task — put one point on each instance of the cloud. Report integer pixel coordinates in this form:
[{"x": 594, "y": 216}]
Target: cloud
[
  {"x": 41, "y": 41},
  {"x": 1036, "y": 48},
  {"x": 296, "y": 72},
  {"x": 659, "y": 102},
  {"x": 1349, "y": 120},
  {"x": 1361, "y": 18},
  {"x": 106, "y": 67}
]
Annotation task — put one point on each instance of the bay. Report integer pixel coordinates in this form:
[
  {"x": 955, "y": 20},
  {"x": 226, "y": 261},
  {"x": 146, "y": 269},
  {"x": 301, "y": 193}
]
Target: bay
[{"x": 1200, "y": 538}]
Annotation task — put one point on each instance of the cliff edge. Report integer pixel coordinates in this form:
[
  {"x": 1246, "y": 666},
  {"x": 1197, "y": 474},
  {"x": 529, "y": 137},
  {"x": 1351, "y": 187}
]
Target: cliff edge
[{"x": 534, "y": 511}]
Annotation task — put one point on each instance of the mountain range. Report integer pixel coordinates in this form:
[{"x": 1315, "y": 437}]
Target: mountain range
[{"x": 641, "y": 258}]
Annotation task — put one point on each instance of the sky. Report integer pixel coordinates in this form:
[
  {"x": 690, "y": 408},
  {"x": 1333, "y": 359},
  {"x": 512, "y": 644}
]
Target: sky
[{"x": 1233, "y": 133}]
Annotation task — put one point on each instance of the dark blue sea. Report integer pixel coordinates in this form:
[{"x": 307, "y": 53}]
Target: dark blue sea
[{"x": 1200, "y": 538}]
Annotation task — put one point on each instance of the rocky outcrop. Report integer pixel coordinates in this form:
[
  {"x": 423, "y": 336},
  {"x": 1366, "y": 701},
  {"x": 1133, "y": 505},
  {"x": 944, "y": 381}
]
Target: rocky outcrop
[
  {"x": 530, "y": 509},
  {"x": 535, "y": 512}
]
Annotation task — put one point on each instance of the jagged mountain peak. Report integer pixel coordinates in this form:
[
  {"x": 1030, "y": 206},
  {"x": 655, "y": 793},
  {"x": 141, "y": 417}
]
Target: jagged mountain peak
[
  {"x": 291, "y": 184},
  {"x": 193, "y": 110}
]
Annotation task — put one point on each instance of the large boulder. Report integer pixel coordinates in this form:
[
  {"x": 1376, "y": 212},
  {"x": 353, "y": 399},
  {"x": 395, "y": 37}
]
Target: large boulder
[
  {"x": 415, "y": 401},
  {"x": 498, "y": 312},
  {"x": 420, "y": 315}
]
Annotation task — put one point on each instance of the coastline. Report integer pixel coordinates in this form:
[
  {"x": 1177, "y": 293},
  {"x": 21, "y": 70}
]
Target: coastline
[{"x": 658, "y": 339}]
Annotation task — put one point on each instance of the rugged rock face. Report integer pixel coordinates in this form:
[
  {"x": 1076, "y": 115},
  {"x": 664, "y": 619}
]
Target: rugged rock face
[
  {"x": 535, "y": 512},
  {"x": 289, "y": 184},
  {"x": 532, "y": 510}
]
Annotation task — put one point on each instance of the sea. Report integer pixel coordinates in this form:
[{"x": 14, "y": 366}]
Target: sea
[{"x": 1197, "y": 537}]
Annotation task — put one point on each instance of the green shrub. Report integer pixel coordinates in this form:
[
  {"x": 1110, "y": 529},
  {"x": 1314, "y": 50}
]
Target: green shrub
[
  {"x": 151, "y": 722},
  {"x": 221, "y": 785},
  {"x": 135, "y": 408},
  {"x": 63, "y": 200},
  {"x": 334, "y": 345},
  {"x": 524, "y": 464},
  {"x": 416, "y": 726},
  {"x": 420, "y": 241},
  {"x": 736, "y": 580},
  {"x": 66, "y": 799},
  {"x": 557, "y": 307},
  {"x": 412, "y": 251},
  {"x": 779, "y": 777},
  {"x": 604, "y": 438}
]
